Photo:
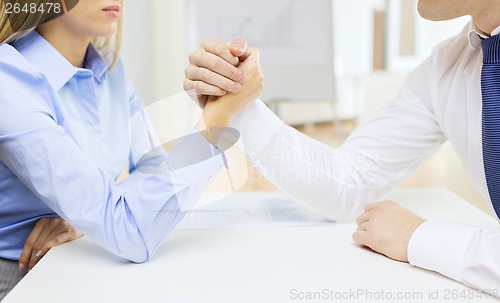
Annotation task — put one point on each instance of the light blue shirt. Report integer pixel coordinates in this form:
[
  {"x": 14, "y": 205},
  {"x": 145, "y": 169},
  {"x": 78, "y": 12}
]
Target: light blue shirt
[{"x": 64, "y": 138}]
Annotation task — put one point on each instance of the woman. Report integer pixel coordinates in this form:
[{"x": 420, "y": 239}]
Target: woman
[{"x": 64, "y": 140}]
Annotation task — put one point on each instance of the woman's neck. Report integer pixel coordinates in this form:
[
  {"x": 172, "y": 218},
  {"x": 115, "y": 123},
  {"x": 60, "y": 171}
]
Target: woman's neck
[{"x": 70, "y": 46}]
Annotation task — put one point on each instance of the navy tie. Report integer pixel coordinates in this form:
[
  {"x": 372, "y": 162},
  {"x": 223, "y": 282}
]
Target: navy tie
[{"x": 490, "y": 89}]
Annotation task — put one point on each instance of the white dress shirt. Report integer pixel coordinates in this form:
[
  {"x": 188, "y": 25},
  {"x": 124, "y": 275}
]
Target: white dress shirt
[{"x": 441, "y": 100}]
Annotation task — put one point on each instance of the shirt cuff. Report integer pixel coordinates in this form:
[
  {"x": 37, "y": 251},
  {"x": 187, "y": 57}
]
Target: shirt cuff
[
  {"x": 194, "y": 163},
  {"x": 257, "y": 126},
  {"x": 441, "y": 247}
]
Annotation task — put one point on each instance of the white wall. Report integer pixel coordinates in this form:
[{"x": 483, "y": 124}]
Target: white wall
[
  {"x": 154, "y": 50},
  {"x": 137, "y": 48},
  {"x": 169, "y": 45},
  {"x": 353, "y": 36},
  {"x": 428, "y": 34}
]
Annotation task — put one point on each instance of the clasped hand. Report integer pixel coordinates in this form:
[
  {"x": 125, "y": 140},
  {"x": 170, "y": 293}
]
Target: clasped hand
[{"x": 226, "y": 78}]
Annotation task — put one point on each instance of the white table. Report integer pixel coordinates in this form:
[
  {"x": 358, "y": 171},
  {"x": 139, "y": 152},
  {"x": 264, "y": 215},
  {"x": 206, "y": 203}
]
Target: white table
[{"x": 252, "y": 265}]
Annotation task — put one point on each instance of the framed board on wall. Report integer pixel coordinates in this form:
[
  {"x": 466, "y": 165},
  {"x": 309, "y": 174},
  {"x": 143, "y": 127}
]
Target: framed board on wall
[{"x": 295, "y": 38}]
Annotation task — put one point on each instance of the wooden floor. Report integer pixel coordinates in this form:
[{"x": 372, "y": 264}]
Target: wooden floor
[{"x": 441, "y": 170}]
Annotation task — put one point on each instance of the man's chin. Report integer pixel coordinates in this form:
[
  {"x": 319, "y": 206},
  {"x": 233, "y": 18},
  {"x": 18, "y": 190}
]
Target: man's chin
[{"x": 433, "y": 13}]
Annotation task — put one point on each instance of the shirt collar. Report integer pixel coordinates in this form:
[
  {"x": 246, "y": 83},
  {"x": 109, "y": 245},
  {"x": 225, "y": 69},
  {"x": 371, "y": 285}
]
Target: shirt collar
[
  {"x": 58, "y": 71},
  {"x": 475, "y": 35},
  {"x": 96, "y": 63}
]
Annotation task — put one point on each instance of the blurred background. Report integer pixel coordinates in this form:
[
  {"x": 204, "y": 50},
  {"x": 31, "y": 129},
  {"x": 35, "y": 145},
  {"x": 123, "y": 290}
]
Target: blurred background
[{"x": 349, "y": 57}]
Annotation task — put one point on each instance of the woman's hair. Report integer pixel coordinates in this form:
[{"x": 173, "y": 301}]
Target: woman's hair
[
  {"x": 15, "y": 25},
  {"x": 18, "y": 23}
]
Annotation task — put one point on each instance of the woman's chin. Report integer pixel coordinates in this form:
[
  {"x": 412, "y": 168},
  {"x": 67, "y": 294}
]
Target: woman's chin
[{"x": 106, "y": 32}]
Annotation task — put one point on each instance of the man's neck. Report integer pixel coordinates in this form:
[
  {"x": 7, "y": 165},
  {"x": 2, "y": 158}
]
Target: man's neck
[{"x": 494, "y": 32}]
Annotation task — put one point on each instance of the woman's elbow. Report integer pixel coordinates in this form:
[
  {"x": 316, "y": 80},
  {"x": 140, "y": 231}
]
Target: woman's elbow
[{"x": 136, "y": 256}]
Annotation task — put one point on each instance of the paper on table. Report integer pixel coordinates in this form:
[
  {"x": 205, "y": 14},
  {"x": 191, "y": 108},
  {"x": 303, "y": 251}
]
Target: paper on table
[{"x": 250, "y": 210}]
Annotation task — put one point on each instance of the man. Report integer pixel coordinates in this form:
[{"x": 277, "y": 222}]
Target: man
[{"x": 450, "y": 96}]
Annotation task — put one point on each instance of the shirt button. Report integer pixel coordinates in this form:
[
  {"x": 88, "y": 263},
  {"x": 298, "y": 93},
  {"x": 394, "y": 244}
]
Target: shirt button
[
  {"x": 211, "y": 179},
  {"x": 95, "y": 128},
  {"x": 221, "y": 167}
]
